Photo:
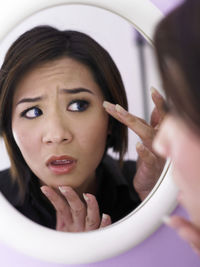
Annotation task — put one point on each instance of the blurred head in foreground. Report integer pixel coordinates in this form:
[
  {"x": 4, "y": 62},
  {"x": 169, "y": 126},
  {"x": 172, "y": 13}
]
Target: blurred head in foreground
[{"x": 177, "y": 43}]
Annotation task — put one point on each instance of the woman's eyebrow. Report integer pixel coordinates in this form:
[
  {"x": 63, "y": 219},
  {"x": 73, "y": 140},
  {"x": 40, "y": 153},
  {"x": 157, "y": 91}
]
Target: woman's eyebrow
[
  {"x": 28, "y": 100},
  {"x": 76, "y": 90},
  {"x": 68, "y": 91}
]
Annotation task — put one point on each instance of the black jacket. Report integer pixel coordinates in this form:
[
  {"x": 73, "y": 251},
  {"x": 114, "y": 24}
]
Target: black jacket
[{"x": 116, "y": 195}]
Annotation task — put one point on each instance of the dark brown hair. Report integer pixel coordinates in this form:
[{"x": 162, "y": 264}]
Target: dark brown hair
[
  {"x": 177, "y": 40},
  {"x": 43, "y": 44}
]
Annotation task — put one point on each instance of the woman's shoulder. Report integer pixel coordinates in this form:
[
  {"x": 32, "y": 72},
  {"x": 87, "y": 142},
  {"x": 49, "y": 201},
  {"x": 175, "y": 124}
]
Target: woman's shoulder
[
  {"x": 117, "y": 194},
  {"x": 128, "y": 168}
]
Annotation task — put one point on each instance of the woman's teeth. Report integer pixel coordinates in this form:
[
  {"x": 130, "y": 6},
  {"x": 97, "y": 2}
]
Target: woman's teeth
[{"x": 61, "y": 162}]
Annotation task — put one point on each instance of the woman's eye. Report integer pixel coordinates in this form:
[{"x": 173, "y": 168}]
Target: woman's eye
[
  {"x": 31, "y": 113},
  {"x": 78, "y": 106}
]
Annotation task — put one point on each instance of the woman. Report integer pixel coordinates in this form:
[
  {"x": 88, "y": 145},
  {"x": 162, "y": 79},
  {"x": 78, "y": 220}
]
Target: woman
[
  {"x": 56, "y": 131},
  {"x": 177, "y": 42}
]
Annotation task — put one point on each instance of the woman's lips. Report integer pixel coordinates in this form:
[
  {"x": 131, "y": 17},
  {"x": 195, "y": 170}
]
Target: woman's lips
[{"x": 61, "y": 164}]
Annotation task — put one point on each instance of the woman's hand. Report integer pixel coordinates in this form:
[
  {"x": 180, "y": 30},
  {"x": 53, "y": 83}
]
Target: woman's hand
[
  {"x": 149, "y": 164},
  {"x": 186, "y": 230},
  {"x": 73, "y": 215}
]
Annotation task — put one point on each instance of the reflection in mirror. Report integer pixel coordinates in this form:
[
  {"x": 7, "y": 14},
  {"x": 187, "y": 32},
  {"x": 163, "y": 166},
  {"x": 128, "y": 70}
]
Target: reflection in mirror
[{"x": 65, "y": 123}]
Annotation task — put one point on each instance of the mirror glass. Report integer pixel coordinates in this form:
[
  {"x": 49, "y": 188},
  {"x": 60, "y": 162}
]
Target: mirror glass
[
  {"x": 129, "y": 50},
  {"x": 133, "y": 56},
  {"x": 134, "y": 59}
]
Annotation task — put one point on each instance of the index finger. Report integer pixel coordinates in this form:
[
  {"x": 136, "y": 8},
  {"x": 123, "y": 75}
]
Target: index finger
[
  {"x": 186, "y": 229},
  {"x": 77, "y": 207},
  {"x": 159, "y": 102},
  {"x": 155, "y": 117},
  {"x": 60, "y": 205},
  {"x": 93, "y": 218},
  {"x": 139, "y": 126}
]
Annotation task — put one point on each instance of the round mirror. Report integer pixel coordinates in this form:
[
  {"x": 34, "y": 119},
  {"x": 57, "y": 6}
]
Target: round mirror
[{"x": 133, "y": 24}]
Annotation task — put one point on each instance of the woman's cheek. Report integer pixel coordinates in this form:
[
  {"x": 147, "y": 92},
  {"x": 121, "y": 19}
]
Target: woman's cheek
[
  {"x": 92, "y": 139},
  {"x": 93, "y": 133},
  {"x": 27, "y": 141},
  {"x": 20, "y": 135}
]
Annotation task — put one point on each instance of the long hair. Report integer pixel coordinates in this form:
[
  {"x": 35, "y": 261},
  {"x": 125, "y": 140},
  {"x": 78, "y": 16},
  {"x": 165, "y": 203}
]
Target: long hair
[
  {"x": 177, "y": 41},
  {"x": 43, "y": 44}
]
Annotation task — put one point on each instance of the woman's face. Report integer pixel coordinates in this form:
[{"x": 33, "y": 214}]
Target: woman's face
[
  {"x": 59, "y": 124},
  {"x": 178, "y": 141}
]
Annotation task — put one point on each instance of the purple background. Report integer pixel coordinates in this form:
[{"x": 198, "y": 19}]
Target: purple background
[{"x": 163, "y": 249}]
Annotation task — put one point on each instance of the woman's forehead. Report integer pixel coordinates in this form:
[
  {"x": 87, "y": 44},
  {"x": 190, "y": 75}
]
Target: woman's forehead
[{"x": 62, "y": 73}]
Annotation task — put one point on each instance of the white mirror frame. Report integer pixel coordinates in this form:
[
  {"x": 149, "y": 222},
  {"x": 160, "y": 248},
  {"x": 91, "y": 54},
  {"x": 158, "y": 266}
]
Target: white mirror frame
[{"x": 75, "y": 248}]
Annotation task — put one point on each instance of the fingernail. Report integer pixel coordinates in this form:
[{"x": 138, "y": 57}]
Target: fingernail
[
  {"x": 121, "y": 110},
  {"x": 44, "y": 191},
  {"x": 104, "y": 217},
  {"x": 154, "y": 92},
  {"x": 85, "y": 197},
  {"x": 166, "y": 219},
  {"x": 108, "y": 105},
  {"x": 62, "y": 189},
  {"x": 105, "y": 104},
  {"x": 153, "y": 89}
]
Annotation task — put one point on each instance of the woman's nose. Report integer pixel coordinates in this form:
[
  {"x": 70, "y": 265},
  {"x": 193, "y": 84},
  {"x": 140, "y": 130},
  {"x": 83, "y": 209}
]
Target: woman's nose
[
  {"x": 161, "y": 143},
  {"x": 56, "y": 130}
]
